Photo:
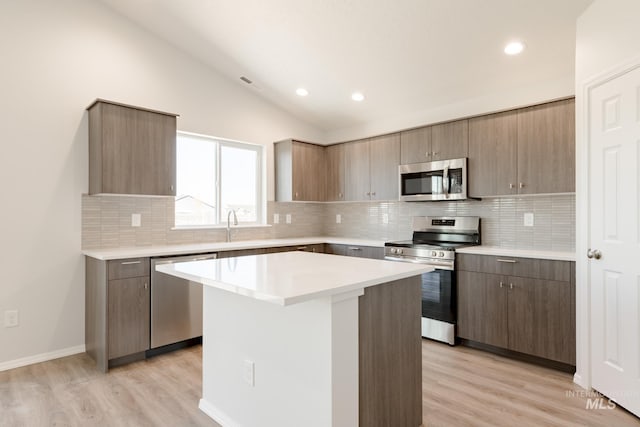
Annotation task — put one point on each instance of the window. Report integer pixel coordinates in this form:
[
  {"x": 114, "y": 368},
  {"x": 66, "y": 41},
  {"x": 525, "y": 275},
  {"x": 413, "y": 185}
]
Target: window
[{"x": 215, "y": 176}]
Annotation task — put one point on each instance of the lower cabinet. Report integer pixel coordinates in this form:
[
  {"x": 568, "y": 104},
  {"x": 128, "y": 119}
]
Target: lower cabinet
[
  {"x": 117, "y": 309},
  {"x": 530, "y": 315},
  {"x": 128, "y": 316},
  {"x": 355, "y": 251}
]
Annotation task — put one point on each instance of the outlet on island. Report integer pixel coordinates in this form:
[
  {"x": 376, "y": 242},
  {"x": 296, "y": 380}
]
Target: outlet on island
[{"x": 11, "y": 318}]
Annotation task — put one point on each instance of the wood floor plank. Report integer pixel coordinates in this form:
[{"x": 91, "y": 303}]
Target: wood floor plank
[{"x": 461, "y": 387}]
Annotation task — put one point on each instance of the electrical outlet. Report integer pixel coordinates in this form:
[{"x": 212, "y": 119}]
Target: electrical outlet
[
  {"x": 136, "y": 220},
  {"x": 385, "y": 218},
  {"x": 276, "y": 218},
  {"x": 288, "y": 218},
  {"x": 11, "y": 318},
  {"x": 338, "y": 218},
  {"x": 528, "y": 219},
  {"x": 249, "y": 373}
]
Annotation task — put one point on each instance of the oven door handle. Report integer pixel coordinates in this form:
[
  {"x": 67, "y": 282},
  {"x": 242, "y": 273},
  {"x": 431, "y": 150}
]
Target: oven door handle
[{"x": 438, "y": 265}]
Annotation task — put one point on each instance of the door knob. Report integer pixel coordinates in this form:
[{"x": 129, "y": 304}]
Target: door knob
[{"x": 594, "y": 254}]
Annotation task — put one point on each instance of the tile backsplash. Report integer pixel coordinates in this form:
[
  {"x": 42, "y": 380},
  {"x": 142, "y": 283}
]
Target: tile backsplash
[{"x": 106, "y": 221}]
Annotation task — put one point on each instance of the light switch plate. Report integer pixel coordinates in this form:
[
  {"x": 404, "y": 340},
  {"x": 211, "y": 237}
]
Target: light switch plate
[
  {"x": 385, "y": 218},
  {"x": 249, "y": 373},
  {"x": 288, "y": 218},
  {"x": 338, "y": 218},
  {"x": 10, "y": 318},
  {"x": 276, "y": 218},
  {"x": 136, "y": 220},
  {"x": 528, "y": 219}
]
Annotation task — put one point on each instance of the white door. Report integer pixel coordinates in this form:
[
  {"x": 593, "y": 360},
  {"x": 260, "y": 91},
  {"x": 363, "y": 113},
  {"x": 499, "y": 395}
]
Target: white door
[{"x": 614, "y": 138}]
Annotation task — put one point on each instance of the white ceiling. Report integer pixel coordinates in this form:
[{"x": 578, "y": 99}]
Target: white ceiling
[{"x": 406, "y": 56}]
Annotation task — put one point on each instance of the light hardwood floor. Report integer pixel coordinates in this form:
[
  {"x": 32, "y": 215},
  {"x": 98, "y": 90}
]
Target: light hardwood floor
[{"x": 461, "y": 387}]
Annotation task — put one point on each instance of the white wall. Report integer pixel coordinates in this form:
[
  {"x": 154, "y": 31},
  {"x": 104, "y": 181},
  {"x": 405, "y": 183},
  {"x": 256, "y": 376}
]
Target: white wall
[
  {"x": 607, "y": 36},
  {"x": 57, "y": 57}
]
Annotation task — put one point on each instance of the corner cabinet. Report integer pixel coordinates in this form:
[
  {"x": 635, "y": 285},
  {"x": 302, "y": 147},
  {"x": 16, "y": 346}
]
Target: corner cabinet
[
  {"x": 372, "y": 168},
  {"x": 526, "y": 151},
  {"x": 520, "y": 304},
  {"x": 300, "y": 170},
  {"x": 132, "y": 150}
]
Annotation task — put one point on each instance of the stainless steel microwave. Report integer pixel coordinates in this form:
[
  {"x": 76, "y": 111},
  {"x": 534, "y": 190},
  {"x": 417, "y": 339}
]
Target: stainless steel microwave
[{"x": 432, "y": 181}]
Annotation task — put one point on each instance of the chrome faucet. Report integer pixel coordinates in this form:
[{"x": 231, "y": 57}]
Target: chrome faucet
[{"x": 235, "y": 222}]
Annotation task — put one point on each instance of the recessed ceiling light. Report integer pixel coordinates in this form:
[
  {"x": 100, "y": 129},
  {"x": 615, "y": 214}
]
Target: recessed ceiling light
[
  {"x": 357, "y": 96},
  {"x": 513, "y": 48},
  {"x": 302, "y": 91}
]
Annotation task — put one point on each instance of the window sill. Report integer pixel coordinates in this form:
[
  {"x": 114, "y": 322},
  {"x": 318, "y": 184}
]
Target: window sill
[{"x": 219, "y": 226}]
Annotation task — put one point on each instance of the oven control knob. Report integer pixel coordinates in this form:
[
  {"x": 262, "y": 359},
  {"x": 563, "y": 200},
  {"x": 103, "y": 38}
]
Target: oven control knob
[
  {"x": 434, "y": 253},
  {"x": 399, "y": 250},
  {"x": 441, "y": 254}
]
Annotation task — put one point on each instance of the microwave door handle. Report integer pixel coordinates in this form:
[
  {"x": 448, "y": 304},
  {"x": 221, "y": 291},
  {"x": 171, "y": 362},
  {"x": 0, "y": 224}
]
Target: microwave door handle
[{"x": 445, "y": 180}]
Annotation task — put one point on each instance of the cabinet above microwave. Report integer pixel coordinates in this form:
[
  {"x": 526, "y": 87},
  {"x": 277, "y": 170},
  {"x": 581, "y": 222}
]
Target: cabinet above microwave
[{"x": 433, "y": 181}]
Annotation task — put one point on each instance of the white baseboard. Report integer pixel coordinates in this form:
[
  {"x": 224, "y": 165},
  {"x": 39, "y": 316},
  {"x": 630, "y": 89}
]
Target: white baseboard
[
  {"x": 577, "y": 379},
  {"x": 43, "y": 357},
  {"x": 216, "y": 415}
]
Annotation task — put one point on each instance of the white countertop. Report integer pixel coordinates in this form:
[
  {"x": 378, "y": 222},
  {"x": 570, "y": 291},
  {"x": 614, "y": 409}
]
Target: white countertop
[
  {"x": 291, "y": 277},
  {"x": 521, "y": 253},
  {"x": 148, "y": 251}
]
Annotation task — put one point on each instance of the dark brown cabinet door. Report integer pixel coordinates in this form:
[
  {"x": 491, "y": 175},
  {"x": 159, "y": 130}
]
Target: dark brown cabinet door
[
  {"x": 450, "y": 140},
  {"x": 131, "y": 150},
  {"x": 491, "y": 168},
  {"x": 546, "y": 148},
  {"x": 335, "y": 172},
  {"x": 415, "y": 145},
  {"x": 128, "y": 316},
  {"x": 357, "y": 173},
  {"x": 482, "y": 308},
  {"x": 540, "y": 319},
  {"x": 384, "y": 155}
]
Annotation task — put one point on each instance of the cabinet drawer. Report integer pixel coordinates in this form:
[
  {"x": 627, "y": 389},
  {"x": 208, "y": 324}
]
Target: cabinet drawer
[
  {"x": 513, "y": 266},
  {"x": 125, "y": 268}
]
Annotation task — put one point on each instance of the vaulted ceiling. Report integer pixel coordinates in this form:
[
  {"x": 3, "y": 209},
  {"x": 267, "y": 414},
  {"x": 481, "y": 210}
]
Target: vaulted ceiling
[{"x": 405, "y": 56}]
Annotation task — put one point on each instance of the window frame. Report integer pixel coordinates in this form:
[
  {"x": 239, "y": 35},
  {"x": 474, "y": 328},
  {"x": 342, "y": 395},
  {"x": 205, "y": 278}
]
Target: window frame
[{"x": 259, "y": 181}]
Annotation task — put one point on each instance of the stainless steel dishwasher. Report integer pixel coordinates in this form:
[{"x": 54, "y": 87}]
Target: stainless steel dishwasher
[{"x": 176, "y": 304}]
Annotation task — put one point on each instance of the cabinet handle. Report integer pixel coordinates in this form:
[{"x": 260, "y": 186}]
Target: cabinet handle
[
  {"x": 428, "y": 154},
  {"x": 130, "y": 262},
  {"x": 435, "y": 153},
  {"x": 171, "y": 187},
  {"x": 510, "y": 261},
  {"x": 511, "y": 185},
  {"x": 353, "y": 248},
  {"x": 501, "y": 285},
  {"x": 368, "y": 194},
  {"x": 510, "y": 285},
  {"x": 146, "y": 285},
  {"x": 521, "y": 185},
  {"x": 340, "y": 195},
  {"x": 296, "y": 196},
  {"x": 373, "y": 194}
]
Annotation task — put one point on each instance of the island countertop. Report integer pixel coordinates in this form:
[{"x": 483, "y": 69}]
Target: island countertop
[{"x": 292, "y": 277}]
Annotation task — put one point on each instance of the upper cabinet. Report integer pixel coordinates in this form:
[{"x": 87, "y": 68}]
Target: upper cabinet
[
  {"x": 431, "y": 143},
  {"x": 131, "y": 150},
  {"x": 335, "y": 172},
  {"x": 450, "y": 140},
  {"x": 525, "y": 151},
  {"x": 300, "y": 170},
  {"x": 415, "y": 145},
  {"x": 546, "y": 148},
  {"x": 372, "y": 168},
  {"x": 491, "y": 169}
]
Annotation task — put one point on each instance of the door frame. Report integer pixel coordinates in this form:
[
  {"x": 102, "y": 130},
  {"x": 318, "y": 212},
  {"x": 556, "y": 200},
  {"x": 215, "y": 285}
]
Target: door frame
[{"x": 582, "y": 377}]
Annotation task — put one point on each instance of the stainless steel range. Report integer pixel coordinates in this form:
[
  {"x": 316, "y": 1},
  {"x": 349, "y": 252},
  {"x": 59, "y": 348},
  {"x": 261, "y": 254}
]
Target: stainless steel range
[{"x": 434, "y": 242}]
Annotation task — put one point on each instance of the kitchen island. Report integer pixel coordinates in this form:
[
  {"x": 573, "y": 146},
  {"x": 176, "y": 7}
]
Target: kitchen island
[{"x": 300, "y": 338}]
